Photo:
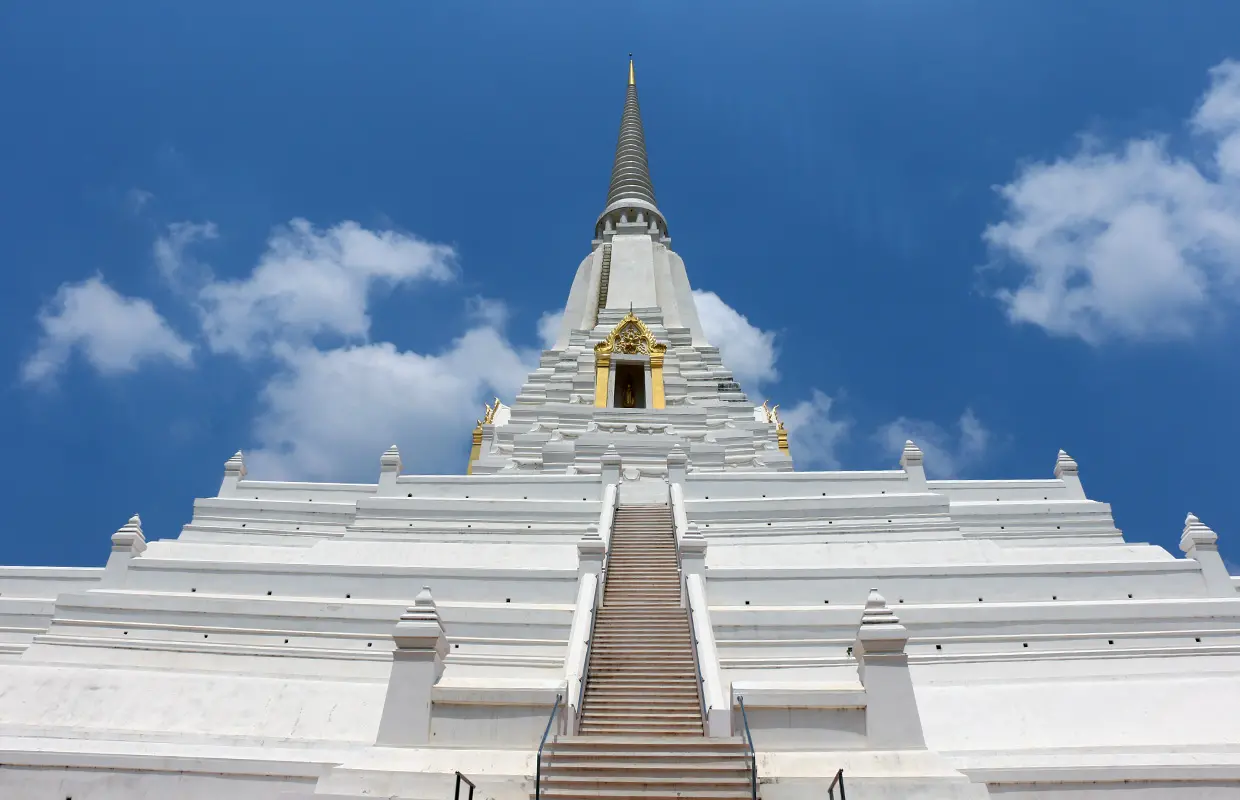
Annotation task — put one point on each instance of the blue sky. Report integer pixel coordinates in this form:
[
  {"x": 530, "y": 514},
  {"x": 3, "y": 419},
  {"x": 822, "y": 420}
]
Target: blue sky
[{"x": 308, "y": 229}]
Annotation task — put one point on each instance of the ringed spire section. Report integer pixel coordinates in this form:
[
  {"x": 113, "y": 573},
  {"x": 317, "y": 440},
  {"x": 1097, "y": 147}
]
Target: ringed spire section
[{"x": 630, "y": 196}]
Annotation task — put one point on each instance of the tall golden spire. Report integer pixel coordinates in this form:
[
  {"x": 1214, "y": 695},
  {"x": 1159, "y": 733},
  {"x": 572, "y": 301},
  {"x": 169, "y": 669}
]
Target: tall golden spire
[{"x": 632, "y": 80}]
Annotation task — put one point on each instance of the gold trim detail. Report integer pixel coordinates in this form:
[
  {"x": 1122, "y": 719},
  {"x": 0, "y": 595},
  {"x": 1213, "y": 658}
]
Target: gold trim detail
[
  {"x": 489, "y": 414},
  {"x": 781, "y": 433},
  {"x": 656, "y": 379},
  {"x": 602, "y": 369},
  {"x": 476, "y": 449},
  {"x": 629, "y": 337}
]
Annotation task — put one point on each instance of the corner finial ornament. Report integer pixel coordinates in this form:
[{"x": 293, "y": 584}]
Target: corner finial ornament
[
  {"x": 235, "y": 465},
  {"x": 130, "y": 538},
  {"x": 911, "y": 455},
  {"x": 1065, "y": 465},
  {"x": 1197, "y": 534}
]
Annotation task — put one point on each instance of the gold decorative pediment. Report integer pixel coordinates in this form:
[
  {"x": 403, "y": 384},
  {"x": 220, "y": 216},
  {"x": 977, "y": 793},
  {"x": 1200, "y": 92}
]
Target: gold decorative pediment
[{"x": 630, "y": 337}]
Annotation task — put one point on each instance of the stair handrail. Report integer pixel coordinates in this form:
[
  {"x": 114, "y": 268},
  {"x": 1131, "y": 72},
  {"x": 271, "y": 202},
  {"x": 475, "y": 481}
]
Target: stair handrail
[
  {"x": 542, "y": 744},
  {"x": 611, "y": 501},
  {"x": 706, "y": 656},
  {"x": 697, "y": 666},
  {"x": 459, "y": 779},
  {"x": 837, "y": 780},
  {"x": 753, "y": 755}
]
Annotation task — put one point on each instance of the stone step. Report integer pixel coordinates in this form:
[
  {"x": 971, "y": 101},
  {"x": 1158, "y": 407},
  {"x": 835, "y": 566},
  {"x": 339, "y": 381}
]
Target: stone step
[
  {"x": 673, "y": 642},
  {"x": 654, "y": 780},
  {"x": 618, "y": 689},
  {"x": 656, "y": 793},
  {"x": 648, "y": 743},
  {"x": 589, "y": 727},
  {"x": 638, "y": 724},
  {"x": 603, "y": 671},
  {"x": 644, "y": 700},
  {"x": 646, "y": 715},
  {"x": 615, "y": 690},
  {"x": 653, "y": 657},
  {"x": 675, "y": 764}
]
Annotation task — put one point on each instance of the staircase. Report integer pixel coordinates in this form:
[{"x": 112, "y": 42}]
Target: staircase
[
  {"x": 603, "y": 280},
  {"x": 640, "y": 732}
]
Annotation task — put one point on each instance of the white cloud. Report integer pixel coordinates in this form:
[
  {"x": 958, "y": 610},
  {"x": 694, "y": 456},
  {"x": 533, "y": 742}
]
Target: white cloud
[
  {"x": 311, "y": 282},
  {"x": 136, "y": 199},
  {"x": 1132, "y": 242},
  {"x": 549, "y": 327},
  {"x": 329, "y": 414},
  {"x": 947, "y": 453},
  {"x": 174, "y": 263},
  {"x": 113, "y": 333},
  {"x": 747, "y": 350},
  {"x": 487, "y": 311},
  {"x": 813, "y": 435}
]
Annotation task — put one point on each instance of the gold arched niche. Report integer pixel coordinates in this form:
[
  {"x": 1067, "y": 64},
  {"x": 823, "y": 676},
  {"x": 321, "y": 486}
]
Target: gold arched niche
[{"x": 629, "y": 337}]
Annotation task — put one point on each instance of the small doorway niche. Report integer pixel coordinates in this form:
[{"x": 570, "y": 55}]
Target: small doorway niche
[{"x": 630, "y": 386}]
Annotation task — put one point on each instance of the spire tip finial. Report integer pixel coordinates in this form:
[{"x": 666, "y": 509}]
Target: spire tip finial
[{"x": 632, "y": 80}]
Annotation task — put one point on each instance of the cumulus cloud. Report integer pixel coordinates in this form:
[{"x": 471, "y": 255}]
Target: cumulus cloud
[
  {"x": 175, "y": 264},
  {"x": 948, "y": 453},
  {"x": 1131, "y": 242},
  {"x": 813, "y": 436},
  {"x": 311, "y": 282},
  {"x": 746, "y": 349},
  {"x": 115, "y": 334},
  {"x": 549, "y": 327},
  {"x": 330, "y": 413}
]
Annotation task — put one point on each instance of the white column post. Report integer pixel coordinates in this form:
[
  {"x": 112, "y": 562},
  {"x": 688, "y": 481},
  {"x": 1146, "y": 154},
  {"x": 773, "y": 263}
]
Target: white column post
[
  {"x": 693, "y": 551},
  {"x": 234, "y": 471},
  {"x": 912, "y": 460},
  {"x": 1066, "y": 470},
  {"x": 128, "y": 543},
  {"x": 677, "y": 465},
  {"x": 417, "y": 665},
  {"x": 610, "y": 465},
  {"x": 389, "y": 471},
  {"x": 892, "y": 721},
  {"x": 590, "y": 551},
  {"x": 1201, "y": 544}
]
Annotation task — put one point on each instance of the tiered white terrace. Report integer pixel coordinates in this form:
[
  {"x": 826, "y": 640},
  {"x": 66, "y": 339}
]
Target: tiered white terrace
[{"x": 302, "y": 640}]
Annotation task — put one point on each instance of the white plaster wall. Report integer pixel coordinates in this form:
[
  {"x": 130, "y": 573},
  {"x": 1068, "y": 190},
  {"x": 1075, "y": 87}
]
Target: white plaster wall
[
  {"x": 22, "y": 783},
  {"x": 684, "y": 299},
  {"x": 632, "y": 280},
  {"x": 578, "y": 310},
  {"x": 81, "y": 702},
  {"x": 1194, "y": 703}
]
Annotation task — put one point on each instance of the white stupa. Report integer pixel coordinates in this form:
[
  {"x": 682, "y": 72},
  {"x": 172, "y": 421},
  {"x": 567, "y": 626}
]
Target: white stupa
[{"x": 628, "y": 562}]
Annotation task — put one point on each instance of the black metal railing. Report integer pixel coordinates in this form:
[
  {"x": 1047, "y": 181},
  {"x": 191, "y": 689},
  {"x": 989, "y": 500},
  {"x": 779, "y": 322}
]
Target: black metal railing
[
  {"x": 462, "y": 779},
  {"x": 753, "y": 756},
  {"x": 541, "y": 745},
  {"x": 838, "y": 781}
]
